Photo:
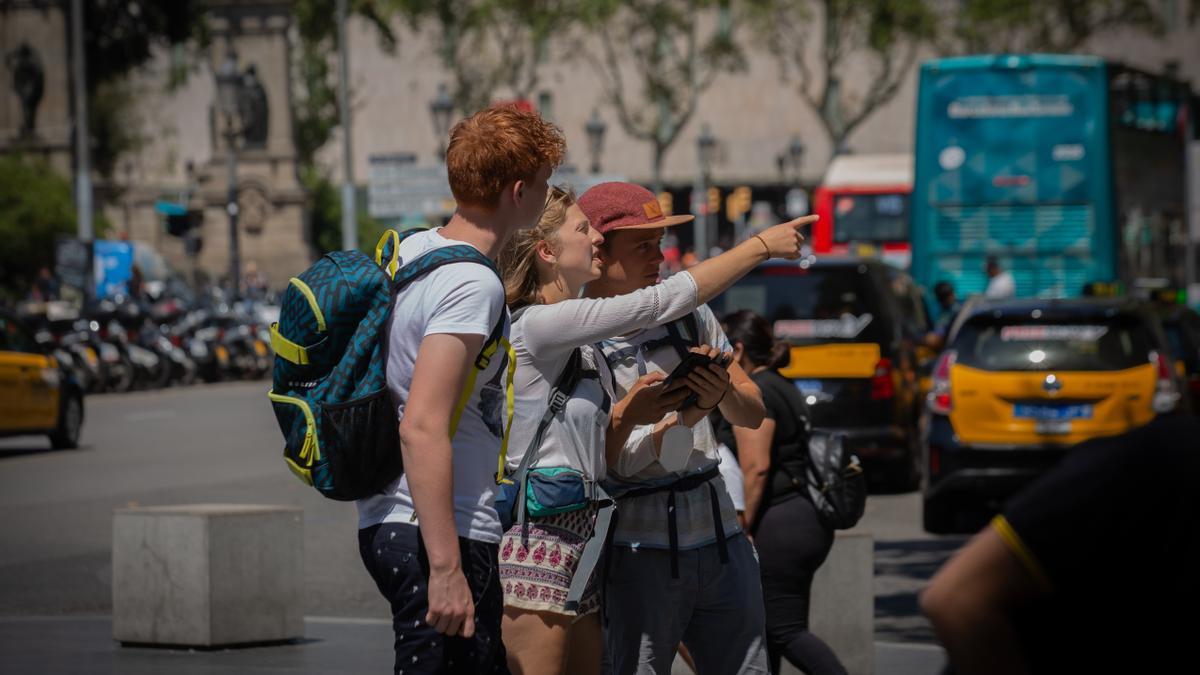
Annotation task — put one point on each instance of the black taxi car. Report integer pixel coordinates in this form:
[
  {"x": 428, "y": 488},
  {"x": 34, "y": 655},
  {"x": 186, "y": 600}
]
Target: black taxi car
[
  {"x": 854, "y": 325},
  {"x": 36, "y": 395},
  {"x": 1022, "y": 381}
]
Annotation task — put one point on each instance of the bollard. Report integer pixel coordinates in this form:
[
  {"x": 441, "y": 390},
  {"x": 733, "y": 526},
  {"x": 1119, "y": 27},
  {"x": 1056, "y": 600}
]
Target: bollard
[{"x": 208, "y": 575}]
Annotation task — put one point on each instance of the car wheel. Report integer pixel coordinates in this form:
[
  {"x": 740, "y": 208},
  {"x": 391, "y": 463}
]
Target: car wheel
[{"x": 70, "y": 422}]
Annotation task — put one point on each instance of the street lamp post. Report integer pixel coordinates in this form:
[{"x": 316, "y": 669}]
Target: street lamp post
[
  {"x": 795, "y": 153},
  {"x": 595, "y": 128},
  {"x": 440, "y": 108},
  {"x": 229, "y": 88},
  {"x": 706, "y": 146}
]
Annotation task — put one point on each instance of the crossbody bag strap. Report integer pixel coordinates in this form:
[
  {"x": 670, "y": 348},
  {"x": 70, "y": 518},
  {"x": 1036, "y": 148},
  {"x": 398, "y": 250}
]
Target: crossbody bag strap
[{"x": 559, "y": 394}]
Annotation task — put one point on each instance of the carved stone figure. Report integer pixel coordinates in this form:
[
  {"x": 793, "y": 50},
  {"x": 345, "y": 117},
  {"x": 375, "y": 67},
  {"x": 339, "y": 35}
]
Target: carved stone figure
[
  {"x": 28, "y": 81},
  {"x": 252, "y": 106}
]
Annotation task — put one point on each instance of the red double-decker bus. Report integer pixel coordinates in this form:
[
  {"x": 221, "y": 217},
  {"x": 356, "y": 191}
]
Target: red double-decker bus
[{"x": 863, "y": 203}]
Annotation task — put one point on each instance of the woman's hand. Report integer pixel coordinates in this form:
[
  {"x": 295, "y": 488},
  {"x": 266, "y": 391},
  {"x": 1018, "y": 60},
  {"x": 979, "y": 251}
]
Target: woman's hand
[
  {"x": 710, "y": 382},
  {"x": 648, "y": 402},
  {"x": 784, "y": 240}
]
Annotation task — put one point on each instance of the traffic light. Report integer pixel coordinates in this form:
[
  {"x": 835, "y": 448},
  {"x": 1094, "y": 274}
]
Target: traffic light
[
  {"x": 667, "y": 203},
  {"x": 738, "y": 203},
  {"x": 714, "y": 200},
  {"x": 178, "y": 224}
]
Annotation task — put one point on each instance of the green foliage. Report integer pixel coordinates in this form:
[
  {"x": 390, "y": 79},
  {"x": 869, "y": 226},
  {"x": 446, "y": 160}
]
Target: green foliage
[
  {"x": 35, "y": 207},
  {"x": 887, "y": 35},
  {"x": 1037, "y": 25},
  {"x": 674, "y": 55},
  {"x": 326, "y": 215},
  {"x": 489, "y": 45},
  {"x": 315, "y": 107}
]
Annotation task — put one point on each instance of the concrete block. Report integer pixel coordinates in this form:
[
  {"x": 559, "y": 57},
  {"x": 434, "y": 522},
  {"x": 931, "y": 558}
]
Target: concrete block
[
  {"x": 208, "y": 575},
  {"x": 842, "y": 612}
]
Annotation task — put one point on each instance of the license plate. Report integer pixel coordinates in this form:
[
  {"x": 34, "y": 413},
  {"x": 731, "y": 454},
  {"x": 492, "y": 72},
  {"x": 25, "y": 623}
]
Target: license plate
[
  {"x": 1052, "y": 412},
  {"x": 808, "y": 386},
  {"x": 1052, "y": 427}
]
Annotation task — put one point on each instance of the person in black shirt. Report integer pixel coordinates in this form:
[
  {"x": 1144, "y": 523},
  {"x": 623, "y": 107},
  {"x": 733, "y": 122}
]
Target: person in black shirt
[
  {"x": 790, "y": 539},
  {"x": 1094, "y": 568}
]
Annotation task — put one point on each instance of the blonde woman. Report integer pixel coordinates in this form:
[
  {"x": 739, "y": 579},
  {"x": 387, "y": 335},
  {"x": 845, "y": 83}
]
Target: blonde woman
[{"x": 544, "y": 270}]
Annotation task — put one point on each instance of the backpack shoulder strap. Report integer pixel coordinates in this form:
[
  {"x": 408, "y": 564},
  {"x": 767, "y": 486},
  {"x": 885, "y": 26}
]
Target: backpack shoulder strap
[
  {"x": 387, "y": 251},
  {"x": 688, "y": 337},
  {"x": 432, "y": 260}
]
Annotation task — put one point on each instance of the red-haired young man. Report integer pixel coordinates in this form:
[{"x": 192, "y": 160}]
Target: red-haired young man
[{"x": 429, "y": 540}]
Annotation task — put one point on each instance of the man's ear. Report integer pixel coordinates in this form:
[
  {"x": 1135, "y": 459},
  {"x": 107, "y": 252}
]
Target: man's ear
[{"x": 518, "y": 192}]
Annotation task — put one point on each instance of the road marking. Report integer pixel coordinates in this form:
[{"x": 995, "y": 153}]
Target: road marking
[
  {"x": 150, "y": 415},
  {"x": 918, "y": 646},
  {"x": 349, "y": 620}
]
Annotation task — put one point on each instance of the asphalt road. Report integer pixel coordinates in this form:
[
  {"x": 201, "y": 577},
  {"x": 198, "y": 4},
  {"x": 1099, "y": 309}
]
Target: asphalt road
[{"x": 219, "y": 443}]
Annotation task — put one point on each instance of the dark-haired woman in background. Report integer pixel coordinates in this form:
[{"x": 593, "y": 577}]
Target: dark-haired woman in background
[{"x": 791, "y": 541}]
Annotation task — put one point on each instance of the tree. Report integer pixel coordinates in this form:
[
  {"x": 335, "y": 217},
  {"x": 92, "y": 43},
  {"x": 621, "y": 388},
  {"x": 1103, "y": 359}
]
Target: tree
[
  {"x": 674, "y": 56},
  {"x": 489, "y": 45},
  {"x": 315, "y": 108},
  {"x": 35, "y": 208},
  {"x": 119, "y": 36},
  {"x": 817, "y": 42},
  {"x": 325, "y": 209},
  {"x": 1059, "y": 26}
]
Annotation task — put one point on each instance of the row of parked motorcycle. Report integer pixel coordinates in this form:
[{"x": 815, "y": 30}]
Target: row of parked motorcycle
[{"x": 121, "y": 344}]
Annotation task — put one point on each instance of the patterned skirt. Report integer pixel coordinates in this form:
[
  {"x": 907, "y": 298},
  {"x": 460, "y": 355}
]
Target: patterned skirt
[{"x": 536, "y": 570}]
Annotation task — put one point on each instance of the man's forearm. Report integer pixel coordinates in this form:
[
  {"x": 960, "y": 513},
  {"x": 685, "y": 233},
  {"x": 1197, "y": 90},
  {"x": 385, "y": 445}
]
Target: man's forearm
[
  {"x": 429, "y": 467},
  {"x": 743, "y": 406},
  {"x": 619, "y": 429}
]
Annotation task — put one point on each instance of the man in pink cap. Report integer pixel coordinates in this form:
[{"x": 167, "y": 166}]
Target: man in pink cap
[{"x": 680, "y": 567}]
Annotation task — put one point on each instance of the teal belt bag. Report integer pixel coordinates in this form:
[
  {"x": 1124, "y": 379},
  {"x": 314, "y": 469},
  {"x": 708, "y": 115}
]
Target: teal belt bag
[{"x": 553, "y": 490}]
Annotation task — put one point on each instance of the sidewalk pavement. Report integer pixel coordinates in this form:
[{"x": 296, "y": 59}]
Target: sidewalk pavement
[{"x": 83, "y": 645}]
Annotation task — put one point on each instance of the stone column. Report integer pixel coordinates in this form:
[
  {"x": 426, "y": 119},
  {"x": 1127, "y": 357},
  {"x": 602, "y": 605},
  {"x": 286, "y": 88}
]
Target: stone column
[{"x": 272, "y": 231}]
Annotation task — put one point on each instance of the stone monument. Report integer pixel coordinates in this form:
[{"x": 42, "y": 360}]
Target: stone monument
[
  {"x": 271, "y": 202},
  {"x": 35, "y": 82}
]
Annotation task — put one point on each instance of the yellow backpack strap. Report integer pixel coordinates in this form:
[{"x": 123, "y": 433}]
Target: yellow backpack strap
[
  {"x": 287, "y": 349},
  {"x": 509, "y": 397},
  {"x": 392, "y": 253},
  {"x": 481, "y": 364}
]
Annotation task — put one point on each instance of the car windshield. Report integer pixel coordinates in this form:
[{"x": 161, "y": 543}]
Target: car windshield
[
  {"x": 810, "y": 305},
  {"x": 872, "y": 218},
  {"x": 1094, "y": 343}
]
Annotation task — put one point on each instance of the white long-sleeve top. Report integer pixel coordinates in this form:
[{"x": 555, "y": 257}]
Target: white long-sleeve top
[{"x": 543, "y": 337}]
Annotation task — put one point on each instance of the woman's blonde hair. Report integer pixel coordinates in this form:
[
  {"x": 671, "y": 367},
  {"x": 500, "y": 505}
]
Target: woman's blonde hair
[{"x": 518, "y": 259}]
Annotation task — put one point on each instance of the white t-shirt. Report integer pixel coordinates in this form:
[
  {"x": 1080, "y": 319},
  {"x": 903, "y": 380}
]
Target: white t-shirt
[
  {"x": 462, "y": 298},
  {"x": 1001, "y": 286},
  {"x": 643, "y": 520}
]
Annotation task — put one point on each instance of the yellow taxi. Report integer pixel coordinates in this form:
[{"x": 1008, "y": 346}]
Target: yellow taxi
[
  {"x": 1020, "y": 382},
  {"x": 853, "y": 326},
  {"x": 35, "y": 395}
]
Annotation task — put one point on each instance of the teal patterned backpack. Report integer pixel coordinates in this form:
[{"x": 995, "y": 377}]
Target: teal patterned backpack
[{"x": 329, "y": 389}]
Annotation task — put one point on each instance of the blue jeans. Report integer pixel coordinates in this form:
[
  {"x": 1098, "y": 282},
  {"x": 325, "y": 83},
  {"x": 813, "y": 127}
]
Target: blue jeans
[
  {"x": 395, "y": 557},
  {"x": 715, "y": 609}
]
